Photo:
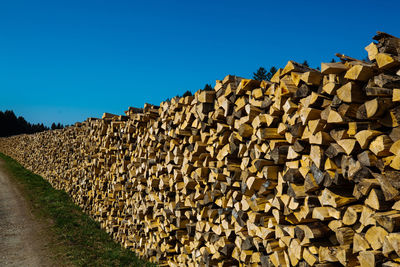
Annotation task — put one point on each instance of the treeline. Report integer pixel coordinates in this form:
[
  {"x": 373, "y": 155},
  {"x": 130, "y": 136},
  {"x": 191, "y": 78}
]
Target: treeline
[
  {"x": 260, "y": 74},
  {"x": 263, "y": 74},
  {"x": 10, "y": 124}
]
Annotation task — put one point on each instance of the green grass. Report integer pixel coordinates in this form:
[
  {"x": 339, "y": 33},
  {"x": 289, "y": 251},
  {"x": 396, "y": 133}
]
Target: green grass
[{"x": 76, "y": 239}]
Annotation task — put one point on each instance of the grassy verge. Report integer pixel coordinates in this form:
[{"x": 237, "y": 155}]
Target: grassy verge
[{"x": 77, "y": 238}]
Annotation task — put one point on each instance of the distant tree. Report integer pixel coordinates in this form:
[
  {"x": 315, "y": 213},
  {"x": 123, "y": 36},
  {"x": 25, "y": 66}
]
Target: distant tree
[
  {"x": 13, "y": 125},
  {"x": 318, "y": 68},
  {"x": 333, "y": 60},
  {"x": 208, "y": 87},
  {"x": 305, "y": 63},
  {"x": 187, "y": 93},
  {"x": 260, "y": 74},
  {"x": 271, "y": 73},
  {"x": 55, "y": 126}
]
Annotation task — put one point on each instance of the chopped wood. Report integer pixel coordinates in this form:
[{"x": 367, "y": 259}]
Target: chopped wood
[
  {"x": 301, "y": 170},
  {"x": 333, "y": 68},
  {"x": 386, "y": 61},
  {"x": 359, "y": 73},
  {"x": 350, "y": 93}
]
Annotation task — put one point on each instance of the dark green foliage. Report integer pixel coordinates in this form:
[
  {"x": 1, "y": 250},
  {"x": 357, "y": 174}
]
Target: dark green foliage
[
  {"x": 260, "y": 75},
  {"x": 56, "y": 126},
  {"x": 271, "y": 73},
  {"x": 208, "y": 87},
  {"x": 305, "y": 63},
  {"x": 78, "y": 239},
  {"x": 12, "y": 125},
  {"x": 187, "y": 93}
]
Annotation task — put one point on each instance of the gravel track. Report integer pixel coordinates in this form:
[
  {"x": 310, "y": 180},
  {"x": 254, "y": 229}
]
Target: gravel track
[{"x": 23, "y": 240}]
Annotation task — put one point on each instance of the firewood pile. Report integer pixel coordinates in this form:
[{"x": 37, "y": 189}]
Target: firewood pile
[{"x": 302, "y": 170}]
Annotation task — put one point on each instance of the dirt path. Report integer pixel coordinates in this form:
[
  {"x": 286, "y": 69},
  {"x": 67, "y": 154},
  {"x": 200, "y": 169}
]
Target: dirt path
[{"x": 22, "y": 238}]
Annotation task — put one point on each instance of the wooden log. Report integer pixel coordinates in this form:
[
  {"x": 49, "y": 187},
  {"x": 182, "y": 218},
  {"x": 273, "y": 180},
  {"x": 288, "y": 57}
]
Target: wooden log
[
  {"x": 389, "y": 191},
  {"x": 373, "y": 108},
  {"x": 390, "y": 220},
  {"x": 359, "y": 73},
  {"x": 376, "y": 200},
  {"x": 387, "y": 43},
  {"x": 206, "y": 96},
  {"x": 380, "y": 146},
  {"x": 369, "y": 258},
  {"x": 360, "y": 243},
  {"x": 391, "y": 244},
  {"x": 387, "y": 81},
  {"x": 352, "y": 214},
  {"x": 333, "y": 68},
  {"x": 292, "y": 66},
  {"x": 364, "y": 137},
  {"x": 375, "y": 237},
  {"x": 386, "y": 61},
  {"x": 350, "y": 93},
  {"x": 348, "y": 145},
  {"x": 372, "y": 50},
  {"x": 328, "y": 198},
  {"x": 245, "y": 130}
]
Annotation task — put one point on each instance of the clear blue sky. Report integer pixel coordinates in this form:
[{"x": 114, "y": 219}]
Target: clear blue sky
[{"x": 64, "y": 61}]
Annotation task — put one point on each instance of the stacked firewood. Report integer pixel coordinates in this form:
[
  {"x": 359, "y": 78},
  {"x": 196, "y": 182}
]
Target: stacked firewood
[{"x": 302, "y": 170}]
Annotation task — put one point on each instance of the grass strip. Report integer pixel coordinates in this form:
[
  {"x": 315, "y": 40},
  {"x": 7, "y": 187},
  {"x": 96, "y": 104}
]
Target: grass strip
[{"x": 77, "y": 238}]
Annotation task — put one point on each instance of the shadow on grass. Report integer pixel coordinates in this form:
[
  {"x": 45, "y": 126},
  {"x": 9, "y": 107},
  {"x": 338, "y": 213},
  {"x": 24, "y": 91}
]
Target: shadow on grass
[{"x": 77, "y": 237}]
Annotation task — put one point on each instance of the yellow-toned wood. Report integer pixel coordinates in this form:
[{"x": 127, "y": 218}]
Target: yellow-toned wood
[
  {"x": 333, "y": 68},
  {"x": 372, "y": 50},
  {"x": 359, "y": 73},
  {"x": 386, "y": 61}
]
